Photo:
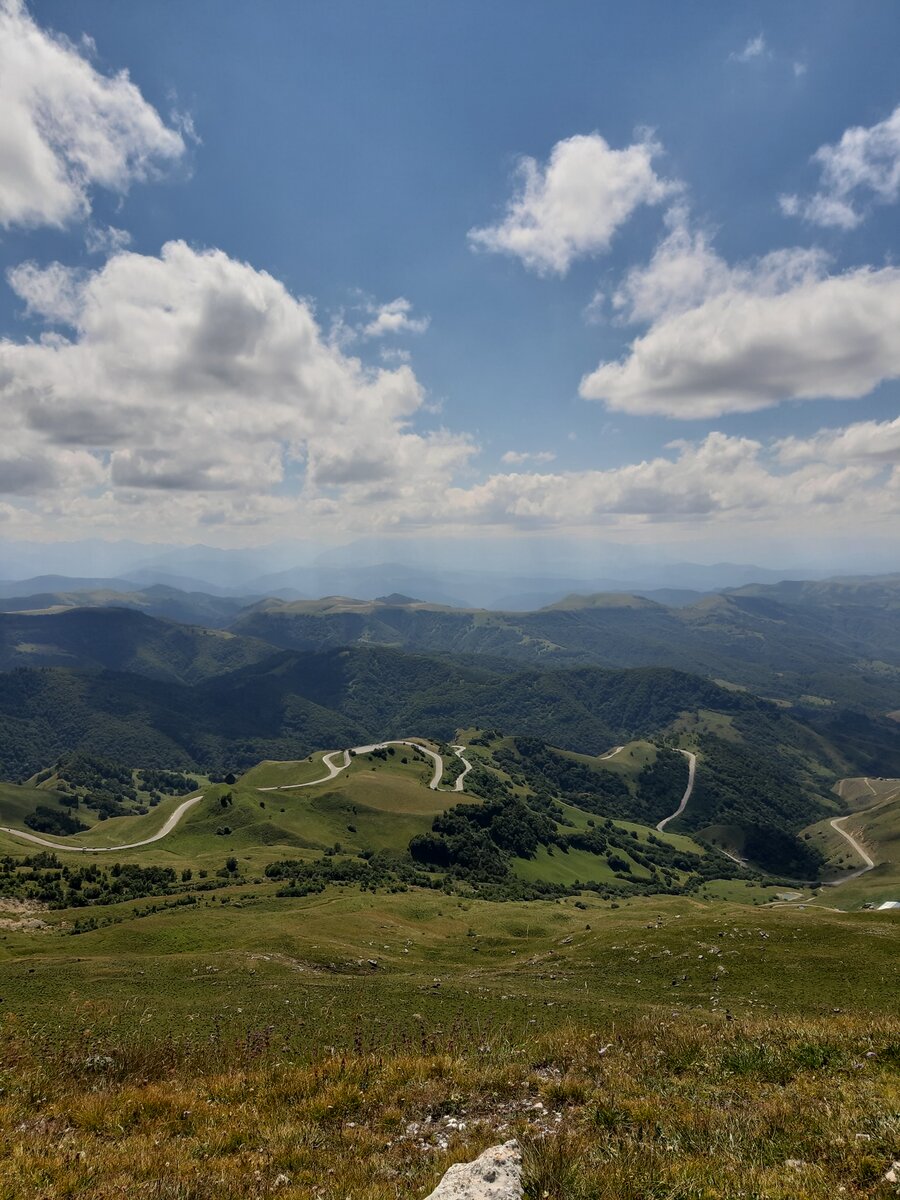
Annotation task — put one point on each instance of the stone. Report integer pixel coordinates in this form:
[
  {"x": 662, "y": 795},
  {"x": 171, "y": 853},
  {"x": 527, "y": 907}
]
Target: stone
[
  {"x": 892, "y": 1175},
  {"x": 494, "y": 1175}
]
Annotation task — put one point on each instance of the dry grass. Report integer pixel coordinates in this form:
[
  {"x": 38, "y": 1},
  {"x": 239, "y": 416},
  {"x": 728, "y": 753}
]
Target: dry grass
[{"x": 781, "y": 1110}]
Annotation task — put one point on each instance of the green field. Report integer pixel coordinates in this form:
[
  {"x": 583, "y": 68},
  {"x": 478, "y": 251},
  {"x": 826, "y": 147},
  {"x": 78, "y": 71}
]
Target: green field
[
  {"x": 354, "y": 1045},
  {"x": 589, "y": 955},
  {"x": 220, "y": 1040},
  {"x": 875, "y": 823}
]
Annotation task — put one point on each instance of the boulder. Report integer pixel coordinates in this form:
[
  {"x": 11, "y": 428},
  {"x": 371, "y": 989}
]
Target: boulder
[{"x": 494, "y": 1175}]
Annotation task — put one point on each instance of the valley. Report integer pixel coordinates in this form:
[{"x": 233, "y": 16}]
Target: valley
[{"x": 442, "y": 896}]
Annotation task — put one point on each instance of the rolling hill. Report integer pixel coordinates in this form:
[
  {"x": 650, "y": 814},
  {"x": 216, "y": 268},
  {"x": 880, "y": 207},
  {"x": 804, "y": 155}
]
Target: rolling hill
[
  {"x": 123, "y": 640},
  {"x": 816, "y": 645},
  {"x": 763, "y": 768},
  {"x": 820, "y": 643}
]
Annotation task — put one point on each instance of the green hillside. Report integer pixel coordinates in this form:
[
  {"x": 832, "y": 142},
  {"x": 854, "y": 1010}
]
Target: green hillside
[
  {"x": 549, "y": 818},
  {"x": 122, "y": 640},
  {"x": 290, "y": 705},
  {"x": 808, "y": 643},
  {"x": 377, "y": 822},
  {"x": 167, "y": 603}
]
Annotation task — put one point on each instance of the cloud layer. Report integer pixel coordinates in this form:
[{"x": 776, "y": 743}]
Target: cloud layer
[
  {"x": 67, "y": 127},
  {"x": 194, "y": 391},
  {"x": 574, "y": 205}
]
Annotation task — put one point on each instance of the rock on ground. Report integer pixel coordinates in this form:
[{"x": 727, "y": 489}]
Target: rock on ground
[{"x": 494, "y": 1175}]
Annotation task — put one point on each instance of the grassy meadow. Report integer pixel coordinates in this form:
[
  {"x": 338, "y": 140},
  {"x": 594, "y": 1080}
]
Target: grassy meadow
[
  {"x": 353, "y": 1045},
  {"x": 236, "y": 1043}
]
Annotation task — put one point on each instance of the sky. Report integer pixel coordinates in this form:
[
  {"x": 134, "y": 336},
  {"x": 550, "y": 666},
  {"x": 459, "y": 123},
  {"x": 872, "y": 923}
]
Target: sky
[{"x": 603, "y": 273}]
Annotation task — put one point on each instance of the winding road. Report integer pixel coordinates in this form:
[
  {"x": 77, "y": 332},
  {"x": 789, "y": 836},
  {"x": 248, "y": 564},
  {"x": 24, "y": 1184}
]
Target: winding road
[
  {"x": 692, "y": 771},
  {"x": 329, "y": 761},
  {"x": 458, "y": 784},
  {"x": 854, "y": 845},
  {"x": 335, "y": 768},
  {"x": 166, "y": 829}
]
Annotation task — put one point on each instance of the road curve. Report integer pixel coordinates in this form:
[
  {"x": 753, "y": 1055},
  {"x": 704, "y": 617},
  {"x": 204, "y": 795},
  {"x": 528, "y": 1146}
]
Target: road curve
[
  {"x": 692, "y": 771},
  {"x": 610, "y": 753},
  {"x": 335, "y": 769},
  {"x": 166, "y": 829},
  {"x": 854, "y": 845},
  {"x": 328, "y": 761},
  {"x": 458, "y": 784}
]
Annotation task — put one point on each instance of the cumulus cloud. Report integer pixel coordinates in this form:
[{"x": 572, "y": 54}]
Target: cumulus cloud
[
  {"x": 874, "y": 442},
  {"x": 864, "y": 163},
  {"x": 191, "y": 372},
  {"x": 718, "y": 479},
  {"x": 573, "y": 206},
  {"x": 726, "y": 339},
  {"x": 394, "y": 317},
  {"x": 683, "y": 271},
  {"x": 67, "y": 127},
  {"x": 191, "y": 392},
  {"x": 835, "y": 479}
]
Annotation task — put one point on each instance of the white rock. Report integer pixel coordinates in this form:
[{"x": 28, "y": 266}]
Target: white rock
[
  {"x": 494, "y": 1175},
  {"x": 891, "y": 1176}
]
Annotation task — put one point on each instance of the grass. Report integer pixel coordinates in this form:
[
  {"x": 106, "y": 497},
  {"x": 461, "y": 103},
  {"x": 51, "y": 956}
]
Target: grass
[
  {"x": 876, "y": 823},
  {"x": 627, "y": 762},
  {"x": 630, "y": 1110},
  {"x": 374, "y": 804},
  {"x": 527, "y": 961},
  {"x": 573, "y": 867},
  {"x": 16, "y": 802},
  {"x": 664, "y": 1049},
  {"x": 353, "y": 1045},
  {"x": 278, "y": 774}
]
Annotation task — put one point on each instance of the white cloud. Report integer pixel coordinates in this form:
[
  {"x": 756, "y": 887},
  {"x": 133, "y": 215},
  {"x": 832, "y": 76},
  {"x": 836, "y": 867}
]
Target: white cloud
[
  {"x": 836, "y": 480},
  {"x": 194, "y": 393},
  {"x": 110, "y": 240},
  {"x": 54, "y": 292},
  {"x": 753, "y": 50},
  {"x": 394, "y": 354},
  {"x": 193, "y": 373},
  {"x": 516, "y": 457},
  {"x": 865, "y": 162},
  {"x": 574, "y": 205},
  {"x": 684, "y": 271},
  {"x": 729, "y": 480},
  {"x": 394, "y": 317},
  {"x": 872, "y": 442},
  {"x": 67, "y": 127},
  {"x": 728, "y": 339}
]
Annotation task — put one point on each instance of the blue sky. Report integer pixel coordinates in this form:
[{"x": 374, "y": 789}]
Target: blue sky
[{"x": 402, "y": 371}]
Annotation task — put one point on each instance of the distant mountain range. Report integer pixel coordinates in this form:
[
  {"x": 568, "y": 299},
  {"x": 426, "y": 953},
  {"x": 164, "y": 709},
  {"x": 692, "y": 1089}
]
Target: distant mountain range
[
  {"x": 511, "y": 582},
  {"x": 807, "y": 642}
]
